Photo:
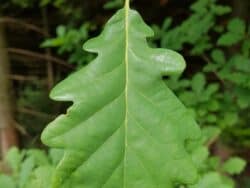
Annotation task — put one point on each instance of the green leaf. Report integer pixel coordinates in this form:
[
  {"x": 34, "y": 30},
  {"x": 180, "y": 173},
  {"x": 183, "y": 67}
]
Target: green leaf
[
  {"x": 229, "y": 39},
  {"x": 125, "y": 129},
  {"x": 44, "y": 2},
  {"x": 218, "y": 56},
  {"x": 213, "y": 179},
  {"x": 166, "y": 24},
  {"x": 7, "y": 181},
  {"x": 26, "y": 171},
  {"x": 113, "y": 4},
  {"x": 201, "y": 45},
  {"x": 213, "y": 105},
  {"x": 229, "y": 119},
  {"x": 234, "y": 165},
  {"x": 211, "y": 118},
  {"x": 210, "y": 90},
  {"x": 14, "y": 158},
  {"x": 237, "y": 25},
  {"x": 198, "y": 83},
  {"x": 61, "y": 30},
  {"x": 220, "y": 9},
  {"x": 210, "y": 134},
  {"x": 236, "y": 31},
  {"x": 214, "y": 162},
  {"x": 189, "y": 32},
  {"x": 41, "y": 177},
  {"x": 246, "y": 47},
  {"x": 189, "y": 98},
  {"x": 39, "y": 156},
  {"x": 55, "y": 155},
  {"x": 200, "y": 6},
  {"x": 243, "y": 97},
  {"x": 199, "y": 156},
  {"x": 241, "y": 63}
]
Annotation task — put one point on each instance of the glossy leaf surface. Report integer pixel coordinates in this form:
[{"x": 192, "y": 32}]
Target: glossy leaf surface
[{"x": 125, "y": 129}]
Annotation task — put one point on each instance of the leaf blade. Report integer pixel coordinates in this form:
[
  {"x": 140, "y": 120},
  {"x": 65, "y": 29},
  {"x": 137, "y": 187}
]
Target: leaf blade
[{"x": 119, "y": 111}]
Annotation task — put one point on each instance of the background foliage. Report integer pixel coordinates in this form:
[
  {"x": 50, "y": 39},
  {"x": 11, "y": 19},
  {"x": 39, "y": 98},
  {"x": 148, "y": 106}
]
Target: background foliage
[{"x": 213, "y": 36}]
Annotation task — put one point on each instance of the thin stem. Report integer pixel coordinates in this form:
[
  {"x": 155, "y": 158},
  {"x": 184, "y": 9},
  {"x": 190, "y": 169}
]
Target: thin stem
[
  {"x": 127, "y": 4},
  {"x": 50, "y": 73},
  {"x": 14, "y": 21},
  {"x": 41, "y": 56}
]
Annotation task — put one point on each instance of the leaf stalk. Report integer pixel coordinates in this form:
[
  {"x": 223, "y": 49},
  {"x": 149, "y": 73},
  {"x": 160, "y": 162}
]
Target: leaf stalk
[{"x": 127, "y": 4}]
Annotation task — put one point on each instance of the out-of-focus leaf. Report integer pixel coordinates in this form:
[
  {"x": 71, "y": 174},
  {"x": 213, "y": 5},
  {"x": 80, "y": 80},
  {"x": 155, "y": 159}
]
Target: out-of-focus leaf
[
  {"x": 213, "y": 179},
  {"x": 41, "y": 177},
  {"x": 14, "y": 158},
  {"x": 40, "y": 157},
  {"x": 229, "y": 39},
  {"x": 198, "y": 83},
  {"x": 210, "y": 133},
  {"x": 7, "y": 181},
  {"x": 26, "y": 171},
  {"x": 237, "y": 25},
  {"x": 234, "y": 165},
  {"x": 218, "y": 56}
]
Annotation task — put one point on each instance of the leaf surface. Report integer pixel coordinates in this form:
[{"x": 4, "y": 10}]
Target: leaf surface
[
  {"x": 125, "y": 129},
  {"x": 234, "y": 165}
]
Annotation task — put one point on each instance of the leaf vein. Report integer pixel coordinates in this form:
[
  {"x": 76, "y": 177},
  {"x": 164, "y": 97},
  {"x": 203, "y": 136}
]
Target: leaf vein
[
  {"x": 144, "y": 166},
  {"x": 94, "y": 113},
  {"x": 145, "y": 130}
]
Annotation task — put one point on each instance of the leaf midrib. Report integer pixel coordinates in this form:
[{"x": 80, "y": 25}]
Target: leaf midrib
[{"x": 126, "y": 8}]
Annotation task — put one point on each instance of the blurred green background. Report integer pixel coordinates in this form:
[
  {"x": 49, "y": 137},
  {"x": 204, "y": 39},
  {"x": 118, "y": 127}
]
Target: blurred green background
[{"x": 41, "y": 43}]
